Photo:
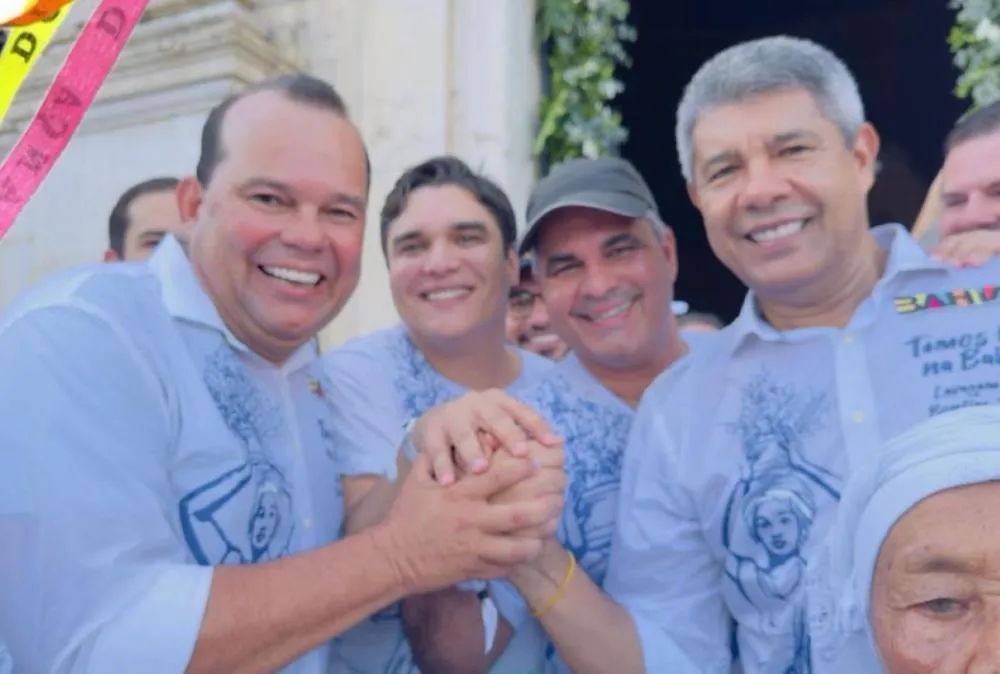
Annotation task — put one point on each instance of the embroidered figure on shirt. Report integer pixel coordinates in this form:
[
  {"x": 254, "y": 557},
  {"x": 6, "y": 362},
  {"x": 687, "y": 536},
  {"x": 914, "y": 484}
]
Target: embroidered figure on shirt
[
  {"x": 419, "y": 385},
  {"x": 772, "y": 509},
  {"x": 594, "y": 437},
  {"x": 245, "y": 515}
]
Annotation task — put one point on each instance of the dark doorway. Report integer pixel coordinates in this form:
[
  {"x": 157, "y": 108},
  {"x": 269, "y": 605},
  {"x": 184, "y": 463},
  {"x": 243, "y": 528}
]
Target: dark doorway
[{"x": 895, "y": 48}]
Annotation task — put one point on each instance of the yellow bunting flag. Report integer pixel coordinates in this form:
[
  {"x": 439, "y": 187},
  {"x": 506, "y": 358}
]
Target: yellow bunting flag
[{"x": 21, "y": 50}]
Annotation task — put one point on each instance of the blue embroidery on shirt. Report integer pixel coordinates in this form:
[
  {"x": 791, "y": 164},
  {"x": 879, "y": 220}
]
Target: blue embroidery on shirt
[
  {"x": 256, "y": 493},
  {"x": 419, "y": 385},
  {"x": 771, "y": 510},
  {"x": 594, "y": 438}
]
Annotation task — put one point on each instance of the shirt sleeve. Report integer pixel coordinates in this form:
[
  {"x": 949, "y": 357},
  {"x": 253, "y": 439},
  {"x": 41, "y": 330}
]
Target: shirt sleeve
[
  {"x": 94, "y": 575},
  {"x": 367, "y": 417},
  {"x": 661, "y": 569}
]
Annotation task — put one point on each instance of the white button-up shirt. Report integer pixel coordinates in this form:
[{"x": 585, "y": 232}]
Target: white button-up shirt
[
  {"x": 736, "y": 461},
  {"x": 141, "y": 445}
]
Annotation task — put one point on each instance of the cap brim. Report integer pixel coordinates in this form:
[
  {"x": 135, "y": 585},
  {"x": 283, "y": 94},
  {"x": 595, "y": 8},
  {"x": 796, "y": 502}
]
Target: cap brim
[{"x": 610, "y": 202}]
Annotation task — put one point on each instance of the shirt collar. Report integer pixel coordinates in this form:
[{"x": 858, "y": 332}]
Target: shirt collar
[
  {"x": 186, "y": 299},
  {"x": 905, "y": 256}
]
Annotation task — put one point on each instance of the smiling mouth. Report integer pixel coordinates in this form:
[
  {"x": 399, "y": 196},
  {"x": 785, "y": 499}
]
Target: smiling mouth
[
  {"x": 543, "y": 339},
  {"x": 445, "y": 294},
  {"x": 296, "y": 277},
  {"x": 781, "y": 231},
  {"x": 608, "y": 314}
]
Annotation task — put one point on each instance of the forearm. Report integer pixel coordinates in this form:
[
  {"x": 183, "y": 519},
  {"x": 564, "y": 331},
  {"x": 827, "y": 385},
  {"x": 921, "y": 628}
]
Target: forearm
[
  {"x": 374, "y": 506},
  {"x": 261, "y": 617},
  {"x": 446, "y": 632},
  {"x": 592, "y": 633}
]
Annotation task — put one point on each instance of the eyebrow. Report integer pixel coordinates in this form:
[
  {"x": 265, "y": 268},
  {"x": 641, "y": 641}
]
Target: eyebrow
[
  {"x": 788, "y": 136},
  {"x": 152, "y": 234},
  {"x": 731, "y": 156},
  {"x": 338, "y": 197},
  {"x": 618, "y": 239},
  {"x": 460, "y": 226},
  {"x": 939, "y": 563}
]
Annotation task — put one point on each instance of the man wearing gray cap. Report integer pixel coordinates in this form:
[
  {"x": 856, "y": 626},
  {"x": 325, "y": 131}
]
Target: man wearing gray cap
[{"x": 606, "y": 264}]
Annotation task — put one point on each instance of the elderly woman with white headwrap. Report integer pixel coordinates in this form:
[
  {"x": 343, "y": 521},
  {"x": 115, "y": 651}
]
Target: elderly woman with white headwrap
[{"x": 911, "y": 569}]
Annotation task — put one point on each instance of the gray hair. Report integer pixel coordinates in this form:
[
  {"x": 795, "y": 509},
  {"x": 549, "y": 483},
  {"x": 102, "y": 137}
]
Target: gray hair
[{"x": 765, "y": 66}]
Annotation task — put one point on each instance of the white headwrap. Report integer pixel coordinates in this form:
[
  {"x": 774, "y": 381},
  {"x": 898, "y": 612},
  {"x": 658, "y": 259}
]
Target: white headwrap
[{"x": 949, "y": 450}]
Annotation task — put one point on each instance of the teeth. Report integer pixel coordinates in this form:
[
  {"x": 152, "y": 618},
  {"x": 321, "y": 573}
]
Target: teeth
[
  {"x": 611, "y": 313},
  {"x": 778, "y": 232},
  {"x": 304, "y": 278},
  {"x": 442, "y": 295},
  {"x": 543, "y": 339}
]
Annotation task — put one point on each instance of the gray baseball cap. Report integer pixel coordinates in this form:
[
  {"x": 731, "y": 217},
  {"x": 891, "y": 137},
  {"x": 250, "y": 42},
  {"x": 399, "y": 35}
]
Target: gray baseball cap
[{"x": 608, "y": 184}]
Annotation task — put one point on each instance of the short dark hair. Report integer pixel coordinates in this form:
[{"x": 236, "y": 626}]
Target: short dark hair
[
  {"x": 978, "y": 123},
  {"x": 297, "y": 87},
  {"x": 120, "y": 220},
  {"x": 449, "y": 170}
]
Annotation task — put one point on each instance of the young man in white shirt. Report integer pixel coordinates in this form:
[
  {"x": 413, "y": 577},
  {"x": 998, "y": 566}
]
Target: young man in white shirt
[{"x": 448, "y": 237}]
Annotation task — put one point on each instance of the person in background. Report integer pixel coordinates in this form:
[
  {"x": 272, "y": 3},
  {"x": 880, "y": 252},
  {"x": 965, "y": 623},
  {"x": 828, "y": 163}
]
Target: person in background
[
  {"x": 528, "y": 323},
  {"x": 168, "y": 480},
  {"x": 143, "y": 215},
  {"x": 911, "y": 564},
  {"x": 695, "y": 321},
  {"x": 606, "y": 265},
  {"x": 970, "y": 190},
  {"x": 448, "y": 238}
]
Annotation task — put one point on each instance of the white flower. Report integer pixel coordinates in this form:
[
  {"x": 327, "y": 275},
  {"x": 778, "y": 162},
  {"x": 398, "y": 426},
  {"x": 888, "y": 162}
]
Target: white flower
[{"x": 987, "y": 30}]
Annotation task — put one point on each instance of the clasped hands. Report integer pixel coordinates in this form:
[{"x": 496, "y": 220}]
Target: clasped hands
[{"x": 483, "y": 494}]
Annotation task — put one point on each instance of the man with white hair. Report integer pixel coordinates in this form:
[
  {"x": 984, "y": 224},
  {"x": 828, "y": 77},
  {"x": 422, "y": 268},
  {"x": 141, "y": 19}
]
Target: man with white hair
[{"x": 736, "y": 458}]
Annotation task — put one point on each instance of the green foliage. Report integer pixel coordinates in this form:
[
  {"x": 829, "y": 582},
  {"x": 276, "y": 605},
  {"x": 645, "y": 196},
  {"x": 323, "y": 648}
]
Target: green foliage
[
  {"x": 586, "y": 43},
  {"x": 975, "y": 44}
]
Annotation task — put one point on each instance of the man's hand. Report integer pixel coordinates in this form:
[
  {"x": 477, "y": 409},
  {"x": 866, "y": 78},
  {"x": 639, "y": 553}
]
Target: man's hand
[
  {"x": 441, "y": 536},
  {"x": 972, "y": 248},
  {"x": 548, "y": 481},
  {"x": 460, "y": 433}
]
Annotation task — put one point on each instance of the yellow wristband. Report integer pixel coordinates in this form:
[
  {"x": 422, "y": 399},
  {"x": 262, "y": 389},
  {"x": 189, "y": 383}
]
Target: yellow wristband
[{"x": 560, "y": 591}]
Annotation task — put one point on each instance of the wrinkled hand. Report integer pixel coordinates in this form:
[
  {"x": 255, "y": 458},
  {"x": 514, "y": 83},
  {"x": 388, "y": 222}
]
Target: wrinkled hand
[
  {"x": 968, "y": 249},
  {"x": 549, "y": 481},
  {"x": 440, "y": 536},
  {"x": 459, "y": 435}
]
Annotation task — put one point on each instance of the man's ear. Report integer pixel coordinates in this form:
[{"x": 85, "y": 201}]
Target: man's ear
[
  {"x": 111, "y": 256},
  {"x": 189, "y": 197},
  {"x": 513, "y": 268}
]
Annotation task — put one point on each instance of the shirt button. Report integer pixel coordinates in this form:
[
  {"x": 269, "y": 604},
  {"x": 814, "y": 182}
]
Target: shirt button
[
  {"x": 307, "y": 522},
  {"x": 848, "y": 339},
  {"x": 858, "y": 417}
]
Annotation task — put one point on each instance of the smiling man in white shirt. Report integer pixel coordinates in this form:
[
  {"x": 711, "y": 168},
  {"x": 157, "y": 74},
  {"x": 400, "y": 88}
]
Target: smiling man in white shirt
[
  {"x": 168, "y": 482},
  {"x": 448, "y": 236},
  {"x": 606, "y": 264}
]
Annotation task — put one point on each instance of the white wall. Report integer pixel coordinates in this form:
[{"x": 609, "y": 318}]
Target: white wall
[
  {"x": 66, "y": 222},
  {"x": 422, "y": 77}
]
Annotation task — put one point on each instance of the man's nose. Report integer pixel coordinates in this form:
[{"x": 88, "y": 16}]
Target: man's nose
[
  {"x": 764, "y": 186},
  {"x": 440, "y": 259}
]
